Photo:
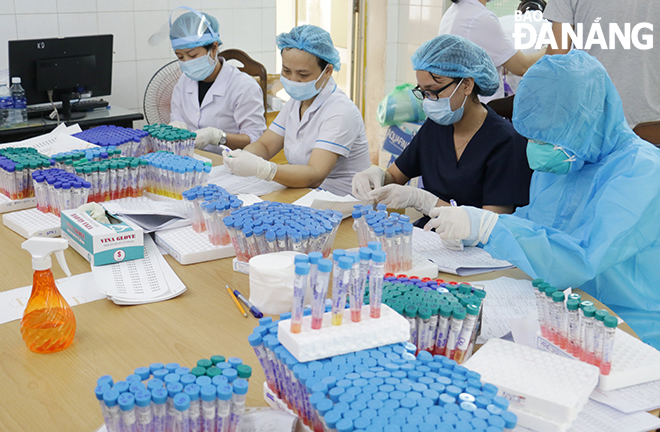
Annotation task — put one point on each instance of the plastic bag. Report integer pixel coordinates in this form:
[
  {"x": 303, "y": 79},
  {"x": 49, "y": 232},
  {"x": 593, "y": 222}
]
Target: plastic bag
[{"x": 400, "y": 106}]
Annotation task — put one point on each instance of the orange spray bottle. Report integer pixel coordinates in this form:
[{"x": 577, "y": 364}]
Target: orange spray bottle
[{"x": 48, "y": 324}]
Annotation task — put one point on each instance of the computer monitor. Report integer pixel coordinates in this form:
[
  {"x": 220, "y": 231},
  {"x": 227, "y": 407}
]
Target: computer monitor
[{"x": 68, "y": 66}]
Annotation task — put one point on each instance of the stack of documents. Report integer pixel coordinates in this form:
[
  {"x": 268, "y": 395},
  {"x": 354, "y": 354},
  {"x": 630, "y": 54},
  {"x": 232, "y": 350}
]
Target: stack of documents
[
  {"x": 470, "y": 261},
  {"x": 322, "y": 200},
  {"x": 146, "y": 280},
  {"x": 150, "y": 215},
  {"x": 241, "y": 185}
]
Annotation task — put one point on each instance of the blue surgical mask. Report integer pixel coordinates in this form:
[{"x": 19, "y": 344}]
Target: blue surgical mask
[
  {"x": 440, "y": 110},
  {"x": 200, "y": 68},
  {"x": 302, "y": 90},
  {"x": 550, "y": 158}
]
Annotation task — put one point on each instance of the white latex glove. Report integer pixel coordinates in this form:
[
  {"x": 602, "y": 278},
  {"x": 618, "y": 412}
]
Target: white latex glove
[
  {"x": 470, "y": 225},
  {"x": 399, "y": 196},
  {"x": 178, "y": 124},
  {"x": 96, "y": 211},
  {"x": 206, "y": 136},
  {"x": 246, "y": 164},
  {"x": 363, "y": 182}
]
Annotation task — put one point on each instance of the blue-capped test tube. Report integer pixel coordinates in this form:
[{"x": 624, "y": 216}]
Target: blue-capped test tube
[
  {"x": 181, "y": 404},
  {"x": 223, "y": 407},
  {"x": 320, "y": 292},
  {"x": 271, "y": 241},
  {"x": 406, "y": 246},
  {"x": 127, "y": 407},
  {"x": 240, "y": 388},
  {"x": 112, "y": 408},
  {"x": 208, "y": 396},
  {"x": 300, "y": 284},
  {"x": 159, "y": 409},
  {"x": 143, "y": 411},
  {"x": 376, "y": 273},
  {"x": 195, "y": 412},
  {"x": 99, "y": 391},
  {"x": 356, "y": 297},
  {"x": 341, "y": 282}
]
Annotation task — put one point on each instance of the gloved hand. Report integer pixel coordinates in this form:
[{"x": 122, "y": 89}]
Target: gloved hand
[
  {"x": 470, "y": 225},
  {"x": 206, "y": 136},
  {"x": 245, "y": 164},
  {"x": 399, "y": 196},
  {"x": 363, "y": 182},
  {"x": 178, "y": 124}
]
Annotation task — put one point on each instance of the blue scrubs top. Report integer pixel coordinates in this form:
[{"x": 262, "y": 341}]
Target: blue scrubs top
[{"x": 492, "y": 170}]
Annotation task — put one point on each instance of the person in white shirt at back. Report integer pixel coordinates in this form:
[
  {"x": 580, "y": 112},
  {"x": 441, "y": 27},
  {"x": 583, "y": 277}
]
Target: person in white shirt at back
[
  {"x": 320, "y": 129},
  {"x": 221, "y": 104},
  {"x": 472, "y": 20}
]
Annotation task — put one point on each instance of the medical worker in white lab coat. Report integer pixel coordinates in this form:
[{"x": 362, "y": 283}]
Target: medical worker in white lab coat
[
  {"x": 212, "y": 98},
  {"x": 320, "y": 128}
]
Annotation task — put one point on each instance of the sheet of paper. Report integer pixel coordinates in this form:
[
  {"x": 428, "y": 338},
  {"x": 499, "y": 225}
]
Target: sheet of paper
[
  {"x": 596, "y": 417},
  {"x": 239, "y": 185},
  {"x": 51, "y": 143},
  {"x": 506, "y": 298},
  {"x": 134, "y": 279},
  {"x": 472, "y": 260},
  {"x": 320, "y": 199},
  {"x": 146, "y": 206},
  {"x": 147, "y": 280},
  {"x": 642, "y": 397},
  {"x": 76, "y": 290}
]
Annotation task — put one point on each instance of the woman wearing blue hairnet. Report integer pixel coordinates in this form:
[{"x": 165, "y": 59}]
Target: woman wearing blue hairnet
[
  {"x": 464, "y": 151},
  {"x": 212, "y": 98},
  {"x": 320, "y": 128},
  {"x": 592, "y": 221}
]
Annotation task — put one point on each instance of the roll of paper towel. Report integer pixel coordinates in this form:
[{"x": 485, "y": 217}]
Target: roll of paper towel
[{"x": 271, "y": 282}]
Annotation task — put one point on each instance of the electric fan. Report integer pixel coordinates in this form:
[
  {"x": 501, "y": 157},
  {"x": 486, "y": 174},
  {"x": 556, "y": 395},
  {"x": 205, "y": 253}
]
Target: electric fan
[{"x": 158, "y": 95}]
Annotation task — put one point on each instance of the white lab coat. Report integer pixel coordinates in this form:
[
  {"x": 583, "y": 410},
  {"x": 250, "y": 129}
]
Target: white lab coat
[
  {"x": 234, "y": 103},
  {"x": 331, "y": 123}
]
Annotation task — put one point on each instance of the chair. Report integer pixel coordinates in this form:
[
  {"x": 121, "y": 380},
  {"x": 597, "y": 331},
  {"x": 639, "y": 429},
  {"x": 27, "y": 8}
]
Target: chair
[
  {"x": 649, "y": 132},
  {"x": 503, "y": 106},
  {"x": 158, "y": 94}
]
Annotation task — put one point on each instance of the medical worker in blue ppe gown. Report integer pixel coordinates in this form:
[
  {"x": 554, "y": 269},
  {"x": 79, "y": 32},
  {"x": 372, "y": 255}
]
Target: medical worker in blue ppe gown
[
  {"x": 212, "y": 98},
  {"x": 594, "y": 215},
  {"x": 320, "y": 128},
  {"x": 464, "y": 151}
]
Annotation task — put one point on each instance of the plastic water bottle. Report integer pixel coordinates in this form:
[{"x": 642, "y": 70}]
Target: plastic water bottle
[
  {"x": 6, "y": 107},
  {"x": 20, "y": 103}
]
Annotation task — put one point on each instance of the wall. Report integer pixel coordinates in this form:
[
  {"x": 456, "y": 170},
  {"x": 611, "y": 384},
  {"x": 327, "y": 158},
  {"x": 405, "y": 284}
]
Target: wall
[{"x": 245, "y": 24}]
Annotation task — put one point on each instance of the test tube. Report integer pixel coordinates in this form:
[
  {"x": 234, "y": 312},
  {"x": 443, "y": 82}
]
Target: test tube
[
  {"x": 376, "y": 272},
  {"x": 560, "y": 319},
  {"x": 541, "y": 308},
  {"x": 443, "y": 330},
  {"x": 159, "y": 408},
  {"x": 99, "y": 391},
  {"x": 320, "y": 292},
  {"x": 256, "y": 342},
  {"x": 455, "y": 325},
  {"x": 572, "y": 306},
  {"x": 352, "y": 286},
  {"x": 588, "y": 328},
  {"x": 300, "y": 284},
  {"x": 406, "y": 246},
  {"x": 281, "y": 240},
  {"x": 237, "y": 403},
  {"x": 127, "y": 407},
  {"x": 143, "y": 411},
  {"x": 195, "y": 412},
  {"x": 609, "y": 331},
  {"x": 410, "y": 314},
  {"x": 208, "y": 393},
  {"x": 260, "y": 237},
  {"x": 181, "y": 404},
  {"x": 466, "y": 332},
  {"x": 341, "y": 281},
  {"x": 110, "y": 398},
  {"x": 598, "y": 336},
  {"x": 357, "y": 227},
  {"x": 550, "y": 314},
  {"x": 250, "y": 242},
  {"x": 223, "y": 407},
  {"x": 423, "y": 329}
]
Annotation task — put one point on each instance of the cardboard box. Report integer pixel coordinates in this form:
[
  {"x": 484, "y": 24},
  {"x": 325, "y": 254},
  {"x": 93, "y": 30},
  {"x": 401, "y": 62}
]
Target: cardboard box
[{"x": 100, "y": 243}]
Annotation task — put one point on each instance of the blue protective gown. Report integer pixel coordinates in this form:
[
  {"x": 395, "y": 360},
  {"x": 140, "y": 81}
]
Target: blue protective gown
[{"x": 597, "y": 227}]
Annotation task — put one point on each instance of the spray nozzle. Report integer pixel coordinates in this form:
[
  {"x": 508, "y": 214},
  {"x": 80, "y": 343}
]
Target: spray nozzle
[{"x": 41, "y": 247}]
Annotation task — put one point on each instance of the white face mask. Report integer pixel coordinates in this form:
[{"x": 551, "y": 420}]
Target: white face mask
[
  {"x": 440, "y": 110},
  {"x": 200, "y": 68}
]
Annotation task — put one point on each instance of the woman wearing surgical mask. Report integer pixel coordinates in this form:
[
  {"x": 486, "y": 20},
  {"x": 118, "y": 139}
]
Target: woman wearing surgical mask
[
  {"x": 464, "y": 151},
  {"x": 222, "y": 105},
  {"x": 320, "y": 128}
]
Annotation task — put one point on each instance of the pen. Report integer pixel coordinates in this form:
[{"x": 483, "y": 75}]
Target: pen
[
  {"x": 238, "y": 305},
  {"x": 452, "y": 202},
  {"x": 253, "y": 309}
]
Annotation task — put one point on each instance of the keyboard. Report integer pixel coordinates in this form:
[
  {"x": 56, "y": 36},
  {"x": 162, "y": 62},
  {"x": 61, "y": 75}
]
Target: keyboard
[{"x": 45, "y": 109}]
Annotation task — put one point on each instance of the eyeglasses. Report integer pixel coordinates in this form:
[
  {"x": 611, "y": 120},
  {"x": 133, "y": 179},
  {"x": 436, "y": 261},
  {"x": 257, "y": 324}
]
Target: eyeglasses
[{"x": 431, "y": 94}]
